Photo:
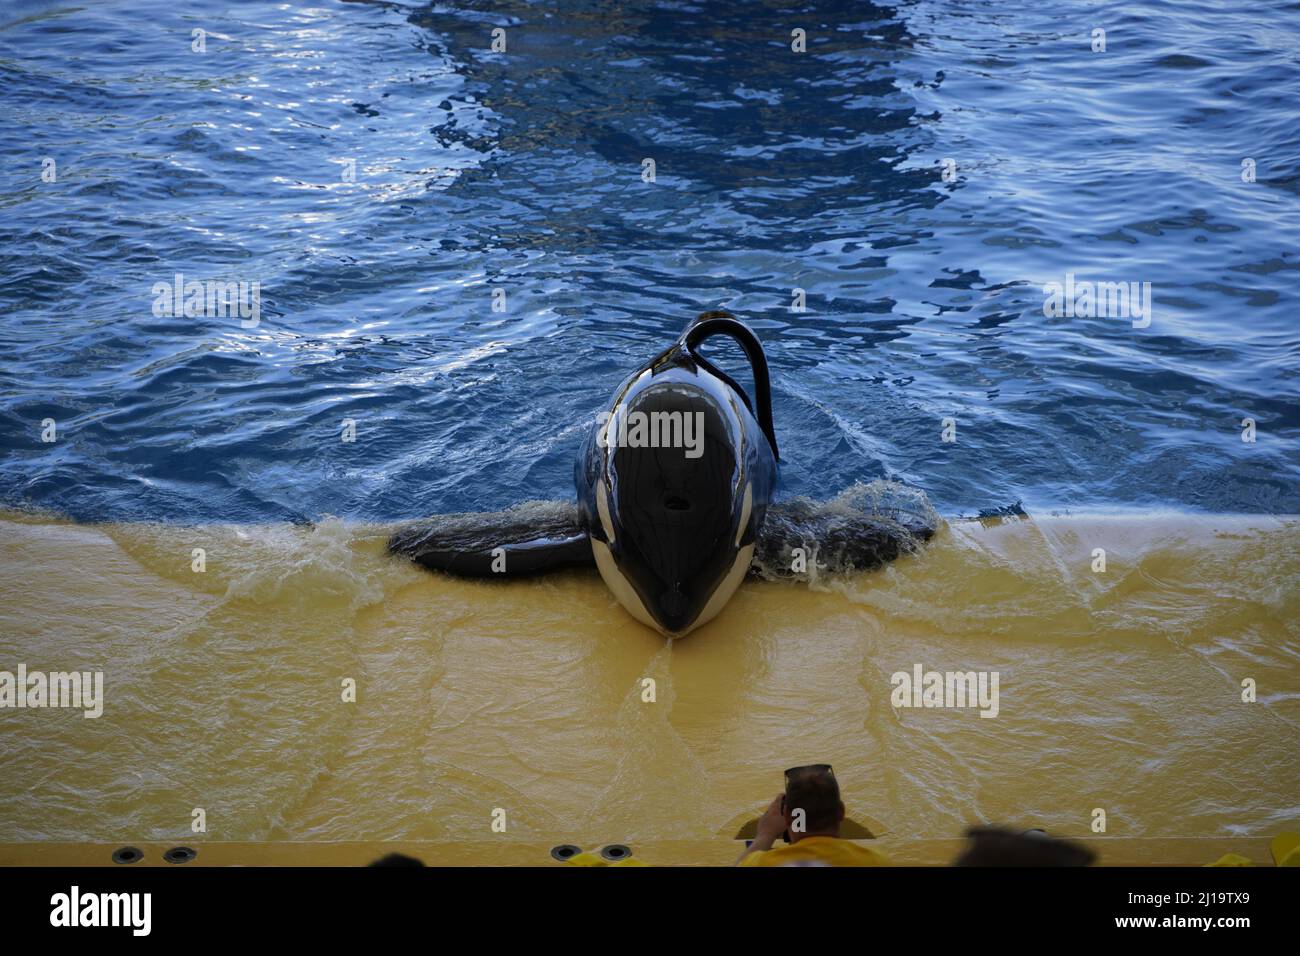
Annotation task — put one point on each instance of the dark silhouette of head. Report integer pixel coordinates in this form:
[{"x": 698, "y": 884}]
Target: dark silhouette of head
[
  {"x": 815, "y": 791},
  {"x": 998, "y": 846},
  {"x": 396, "y": 859}
]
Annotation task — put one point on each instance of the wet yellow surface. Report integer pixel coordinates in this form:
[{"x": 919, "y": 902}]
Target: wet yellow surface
[{"x": 527, "y": 704}]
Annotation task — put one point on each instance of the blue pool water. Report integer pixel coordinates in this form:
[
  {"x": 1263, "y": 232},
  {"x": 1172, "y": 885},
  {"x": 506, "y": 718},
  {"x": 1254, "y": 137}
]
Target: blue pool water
[{"x": 521, "y": 172}]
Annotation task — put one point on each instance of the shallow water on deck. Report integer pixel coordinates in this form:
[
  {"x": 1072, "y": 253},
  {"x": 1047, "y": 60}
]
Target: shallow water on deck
[{"x": 1119, "y": 690}]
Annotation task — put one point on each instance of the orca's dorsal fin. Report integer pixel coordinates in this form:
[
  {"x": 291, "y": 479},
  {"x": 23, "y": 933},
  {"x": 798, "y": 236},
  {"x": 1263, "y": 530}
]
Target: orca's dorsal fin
[{"x": 708, "y": 324}]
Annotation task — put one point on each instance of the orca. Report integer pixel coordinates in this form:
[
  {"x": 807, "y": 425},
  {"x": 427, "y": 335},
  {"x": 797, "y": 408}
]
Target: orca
[{"x": 675, "y": 482}]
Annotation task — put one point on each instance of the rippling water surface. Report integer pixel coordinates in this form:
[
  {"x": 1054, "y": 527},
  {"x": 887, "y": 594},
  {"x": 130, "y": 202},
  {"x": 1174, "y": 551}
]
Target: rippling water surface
[{"x": 520, "y": 173}]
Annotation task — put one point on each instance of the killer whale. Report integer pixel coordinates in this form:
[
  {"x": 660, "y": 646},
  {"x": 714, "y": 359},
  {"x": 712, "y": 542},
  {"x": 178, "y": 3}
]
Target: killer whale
[{"x": 673, "y": 509}]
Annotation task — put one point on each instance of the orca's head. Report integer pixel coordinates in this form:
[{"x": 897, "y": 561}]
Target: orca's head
[{"x": 679, "y": 496}]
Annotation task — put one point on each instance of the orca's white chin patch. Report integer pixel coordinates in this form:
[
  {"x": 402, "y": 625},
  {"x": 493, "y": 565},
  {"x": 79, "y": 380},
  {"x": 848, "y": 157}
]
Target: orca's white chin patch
[
  {"x": 631, "y": 601},
  {"x": 744, "y": 558},
  {"x": 623, "y": 591}
]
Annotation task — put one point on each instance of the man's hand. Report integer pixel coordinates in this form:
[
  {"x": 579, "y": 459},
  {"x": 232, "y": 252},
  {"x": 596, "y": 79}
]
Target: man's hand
[{"x": 770, "y": 825}]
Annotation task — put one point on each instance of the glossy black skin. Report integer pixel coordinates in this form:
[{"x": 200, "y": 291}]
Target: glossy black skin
[{"x": 675, "y": 519}]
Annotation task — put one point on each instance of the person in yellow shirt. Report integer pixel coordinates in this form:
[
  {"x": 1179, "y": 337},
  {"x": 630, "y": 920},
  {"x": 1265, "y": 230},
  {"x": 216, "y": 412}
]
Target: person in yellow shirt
[{"x": 808, "y": 814}]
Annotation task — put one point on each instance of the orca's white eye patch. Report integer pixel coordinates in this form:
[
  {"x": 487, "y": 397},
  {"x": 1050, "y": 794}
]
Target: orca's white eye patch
[
  {"x": 602, "y": 509},
  {"x": 607, "y": 432},
  {"x": 746, "y": 507}
]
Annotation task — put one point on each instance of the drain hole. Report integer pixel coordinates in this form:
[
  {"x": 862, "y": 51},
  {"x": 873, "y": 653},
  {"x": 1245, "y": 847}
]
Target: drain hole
[
  {"x": 616, "y": 851},
  {"x": 565, "y": 851},
  {"x": 180, "y": 854},
  {"x": 127, "y": 854}
]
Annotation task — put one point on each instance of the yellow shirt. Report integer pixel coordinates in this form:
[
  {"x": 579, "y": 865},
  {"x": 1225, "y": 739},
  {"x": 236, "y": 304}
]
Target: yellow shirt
[{"x": 817, "y": 851}]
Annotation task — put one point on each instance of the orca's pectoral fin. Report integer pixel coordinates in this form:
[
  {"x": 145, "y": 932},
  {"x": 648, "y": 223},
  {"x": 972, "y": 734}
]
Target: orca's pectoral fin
[
  {"x": 528, "y": 539},
  {"x": 801, "y": 538}
]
